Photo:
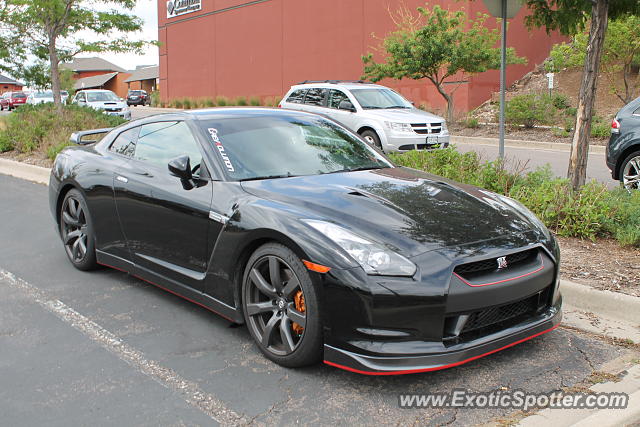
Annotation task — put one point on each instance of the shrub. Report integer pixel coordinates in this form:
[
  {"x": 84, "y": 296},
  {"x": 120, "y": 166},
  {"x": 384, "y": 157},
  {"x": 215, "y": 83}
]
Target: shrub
[
  {"x": 222, "y": 101},
  {"x": 209, "y": 102},
  {"x": 176, "y": 103},
  {"x": 529, "y": 109},
  {"x": 561, "y": 133},
  {"x": 254, "y": 101},
  {"x": 560, "y": 101},
  {"x": 39, "y": 128},
  {"x": 471, "y": 122},
  {"x": 241, "y": 101},
  {"x": 155, "y": 98},
  {"x": 187, "y": 103},
  {"x": 600, "y": 128},
  {"x": 589, "y": 213}
]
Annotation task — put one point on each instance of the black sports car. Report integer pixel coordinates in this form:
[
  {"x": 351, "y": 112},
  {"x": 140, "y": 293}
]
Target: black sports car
[{"x": 292, "y": 224}]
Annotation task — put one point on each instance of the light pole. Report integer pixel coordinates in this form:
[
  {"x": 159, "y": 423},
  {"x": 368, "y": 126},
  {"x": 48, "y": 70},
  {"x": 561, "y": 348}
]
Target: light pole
[{"x": 504, "y": 9}]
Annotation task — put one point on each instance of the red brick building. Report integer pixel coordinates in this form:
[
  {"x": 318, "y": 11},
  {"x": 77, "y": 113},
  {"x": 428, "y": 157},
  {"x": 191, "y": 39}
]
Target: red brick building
[
  {"x": 9, "y": 85},
  {"x": 259, "y": 48},
  {"x": 97, "y": 73}
]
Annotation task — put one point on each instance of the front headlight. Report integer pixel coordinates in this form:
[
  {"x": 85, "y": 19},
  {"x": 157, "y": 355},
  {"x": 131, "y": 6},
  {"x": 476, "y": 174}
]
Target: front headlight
[
  {"x": 399, "y": 127},
  {"x": 373, "y": 258}
]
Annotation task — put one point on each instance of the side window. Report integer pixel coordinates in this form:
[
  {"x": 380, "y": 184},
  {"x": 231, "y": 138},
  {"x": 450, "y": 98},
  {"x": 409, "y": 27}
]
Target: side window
[
  {"x": 125, "y": 143},
  {"x": 297, "y": 96},
  {"x": 160, "y": 142},
  {"x": 315, "y": 97},
  {"x": 637, "y": 112},
  {"x": 81, "y": 97},
  {"x": 336, "y": 97}
]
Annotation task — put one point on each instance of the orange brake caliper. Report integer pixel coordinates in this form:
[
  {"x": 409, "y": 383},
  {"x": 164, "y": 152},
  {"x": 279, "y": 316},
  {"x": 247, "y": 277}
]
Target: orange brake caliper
[{"x": 298, "y": 300}]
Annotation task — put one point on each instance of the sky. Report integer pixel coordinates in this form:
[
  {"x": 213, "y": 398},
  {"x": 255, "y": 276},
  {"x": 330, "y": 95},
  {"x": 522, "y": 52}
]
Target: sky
[{"x": 147, "y": 10}]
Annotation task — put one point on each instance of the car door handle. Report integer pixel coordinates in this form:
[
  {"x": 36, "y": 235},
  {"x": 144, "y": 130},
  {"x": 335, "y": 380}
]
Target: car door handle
[{"x": 122, "y": 179}]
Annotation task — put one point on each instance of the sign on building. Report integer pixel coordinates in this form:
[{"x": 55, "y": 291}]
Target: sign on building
[{"x": 180, "y": 7}]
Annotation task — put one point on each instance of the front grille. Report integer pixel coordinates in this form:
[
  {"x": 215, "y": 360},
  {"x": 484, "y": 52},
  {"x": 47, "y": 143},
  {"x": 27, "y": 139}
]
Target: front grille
[
  {"x": 113, "y": 110},
  {"x": 494, "y": 319},
  {"x": 427, "y": 128},
  {"x": 489, "y": 265}
]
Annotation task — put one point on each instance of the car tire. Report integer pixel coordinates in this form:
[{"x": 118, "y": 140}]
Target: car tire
[
  {"x": 630, "y": 167},
  {"x": 271, "y": 311},
  {"x": 372, "y": 138},
  {"x": 76, "y": 231}
]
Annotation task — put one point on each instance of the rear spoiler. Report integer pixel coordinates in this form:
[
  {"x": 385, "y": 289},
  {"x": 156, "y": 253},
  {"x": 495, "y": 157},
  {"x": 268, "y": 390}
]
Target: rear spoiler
[{"x": 84, "y": 137}]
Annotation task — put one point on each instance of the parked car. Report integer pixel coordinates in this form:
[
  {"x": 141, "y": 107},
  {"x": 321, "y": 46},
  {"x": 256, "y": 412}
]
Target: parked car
[
  {"x": 11, "y": 100},
  {"x": 137, "y": 97},
  {"x": 378, "y": 114},
  {"x": 101, "y": 99},
  {"x": 35, "y": 98},
  {"x": 64, "y": 96},
  {"x": 290, "y": 223},
  {"x": 623, "y": 150}
]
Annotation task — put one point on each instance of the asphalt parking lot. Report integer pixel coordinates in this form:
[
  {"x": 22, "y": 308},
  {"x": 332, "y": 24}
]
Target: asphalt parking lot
[{"x": 104, "y": 348}]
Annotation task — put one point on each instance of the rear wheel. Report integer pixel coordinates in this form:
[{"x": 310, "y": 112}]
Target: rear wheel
[
  {"x": 630, "y": 172},
  {"x": 280, "y": 307},
  {"x": 372, "y": 138},
  {"x": 77, "y": 232}
]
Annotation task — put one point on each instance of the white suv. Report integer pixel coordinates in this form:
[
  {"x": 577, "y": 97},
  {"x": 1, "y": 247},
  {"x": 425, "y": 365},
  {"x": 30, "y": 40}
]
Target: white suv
[{"x": 380, "y": 115}]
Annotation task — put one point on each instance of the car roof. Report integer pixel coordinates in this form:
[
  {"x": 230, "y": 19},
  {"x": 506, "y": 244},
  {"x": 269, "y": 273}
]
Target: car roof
[
  {"x": 220, "y": 112},
  {"x": 343, "y": 85}
]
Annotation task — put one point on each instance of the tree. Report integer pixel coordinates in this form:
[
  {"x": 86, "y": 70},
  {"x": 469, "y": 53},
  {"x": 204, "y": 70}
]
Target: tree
[
  {"x": 38, "y": 75},
  {"x": 571, "y": 17},
  {"x": 436, "y": 45},
  {"x": 58, "y": 30},
  {"x": 620, "y": 53}
]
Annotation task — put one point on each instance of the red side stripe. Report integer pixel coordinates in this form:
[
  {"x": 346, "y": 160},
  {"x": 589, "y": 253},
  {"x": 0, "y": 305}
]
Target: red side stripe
[
  {"x": 170, "y": 291},
  {"x": 437, "y": 368}
]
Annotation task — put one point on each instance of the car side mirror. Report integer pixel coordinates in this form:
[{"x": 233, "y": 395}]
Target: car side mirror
[
  {"x": 181, "y": 167},
  {"x": 346, "y": 105}
]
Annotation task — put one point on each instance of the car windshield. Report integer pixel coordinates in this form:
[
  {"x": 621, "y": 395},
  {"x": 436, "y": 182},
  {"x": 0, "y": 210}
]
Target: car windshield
[
  {"x": 276, "y": 146},
  {"x": 101, "y": 96},
  {"x": 379, "y": 99},
  {"x": 43, "y": 95},
  {"x": 136, "y": 92},
  {"x": 19, "y": 95}
]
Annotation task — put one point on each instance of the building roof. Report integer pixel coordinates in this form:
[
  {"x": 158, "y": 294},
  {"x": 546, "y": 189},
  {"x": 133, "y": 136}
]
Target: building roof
[
  {"x": 6, "y": 80},
  {"x": 93, "y": 81},
  {"x": 92, "y": 64},
  {"x": 146, "y": 73}
]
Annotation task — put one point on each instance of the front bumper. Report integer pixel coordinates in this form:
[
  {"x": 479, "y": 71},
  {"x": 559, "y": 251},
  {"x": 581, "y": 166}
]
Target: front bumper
[
  {"x": 372, "y": 365},
  {"x": 438, "y": 318},
  {"x": 399, "y": 143}
]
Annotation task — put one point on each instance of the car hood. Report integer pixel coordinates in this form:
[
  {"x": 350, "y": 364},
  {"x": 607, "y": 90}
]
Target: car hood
[
  {"x": 403, "y": 115},
  {"x": 407, "y": 210}
]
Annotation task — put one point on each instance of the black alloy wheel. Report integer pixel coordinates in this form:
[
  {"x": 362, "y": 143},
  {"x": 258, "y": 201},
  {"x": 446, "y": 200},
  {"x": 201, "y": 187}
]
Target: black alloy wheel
[
  {"x": 76, "y": 231},
  {"x": 281, "y": 307}
]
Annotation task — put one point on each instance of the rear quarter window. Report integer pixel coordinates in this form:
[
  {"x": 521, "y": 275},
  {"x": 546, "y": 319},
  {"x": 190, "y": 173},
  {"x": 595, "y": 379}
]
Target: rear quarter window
[
  {"x": 297, "y": 96},
  {"x": 315, "y": 97}
]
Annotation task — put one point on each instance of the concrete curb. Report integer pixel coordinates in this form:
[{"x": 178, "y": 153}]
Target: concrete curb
[
  {"x": 25, "y": 171},
  {"x": 517, "y": 143},
  {"x": 614, "y": 305}
]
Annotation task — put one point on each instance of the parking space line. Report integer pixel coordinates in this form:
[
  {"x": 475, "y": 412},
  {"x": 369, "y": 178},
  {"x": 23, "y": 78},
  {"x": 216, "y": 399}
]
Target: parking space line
[{"x": 188, "y": 390}]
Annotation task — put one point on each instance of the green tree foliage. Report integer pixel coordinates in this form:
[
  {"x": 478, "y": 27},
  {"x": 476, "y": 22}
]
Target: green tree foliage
[
  {"x": 621, "y": 52},
  {"x": 571, "y": 17},
  {"x": 437, "y": 45},
  {"x": 57, "y": 30}
]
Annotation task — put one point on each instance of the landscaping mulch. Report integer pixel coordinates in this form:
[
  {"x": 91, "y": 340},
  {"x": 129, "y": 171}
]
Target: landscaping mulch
[{"x": 603, "y": 264}]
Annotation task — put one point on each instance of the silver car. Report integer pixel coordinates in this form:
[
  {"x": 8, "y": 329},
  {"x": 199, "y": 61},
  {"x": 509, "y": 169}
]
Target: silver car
[
  {"x": 379, "y": 114},
  {"x": 103, "y": 100}
]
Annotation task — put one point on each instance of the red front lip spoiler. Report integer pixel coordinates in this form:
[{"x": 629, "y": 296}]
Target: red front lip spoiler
[{"x": 437, "y": 368}]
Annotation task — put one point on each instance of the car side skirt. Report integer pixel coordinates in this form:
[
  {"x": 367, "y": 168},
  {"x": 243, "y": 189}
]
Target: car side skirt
[
  {"x": 380, "y": 365},
  {"x": 218, "y": 307}
]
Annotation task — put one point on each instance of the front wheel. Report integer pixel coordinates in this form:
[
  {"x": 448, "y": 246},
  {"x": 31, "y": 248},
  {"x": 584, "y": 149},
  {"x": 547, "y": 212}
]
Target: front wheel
[
  {"x": 630, "y": 172},
  {"x": 76, "y": 231},
  {"x": 372, "y": 138},
  {"x": 281, "y": 307}
]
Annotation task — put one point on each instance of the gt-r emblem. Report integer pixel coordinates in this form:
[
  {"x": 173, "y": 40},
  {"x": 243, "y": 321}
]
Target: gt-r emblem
[{"x": 502, "y": 262}]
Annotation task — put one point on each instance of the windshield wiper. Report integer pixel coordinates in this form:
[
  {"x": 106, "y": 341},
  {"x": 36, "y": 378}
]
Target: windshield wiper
[
  {"x": 396, "y": 106},
  {"x": 361, "y": 168},
  {"x": 257, "y": 178}
]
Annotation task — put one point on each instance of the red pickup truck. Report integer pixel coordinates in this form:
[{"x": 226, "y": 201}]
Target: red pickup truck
[{"x": 11, "y": 100}]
